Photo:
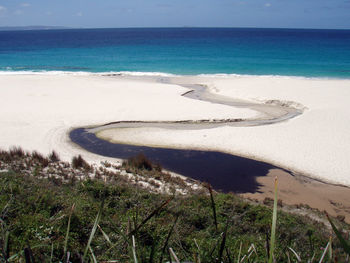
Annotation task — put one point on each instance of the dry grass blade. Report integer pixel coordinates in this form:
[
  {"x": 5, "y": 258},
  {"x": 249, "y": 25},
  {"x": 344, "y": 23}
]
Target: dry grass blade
[
  {"x": 105, "y": 235},
  {"x": 172, "y": 253},
  {"x": 68, "y": 229},
  {"x": 93, "y": 231},
  {"x": 330, "y": 250},
  {"x": 128, "y": 227},
  {"x": 252, "y": 250},
  {"x": 134, "y": 249},
  {"x": 243, "y": 258},
  {"x": 199, "y": 251},
  {"x": 68, "y": 257},
  {"x": 273, "y": 226},
  {"x": 92, "y": 255},
  {"x": 167, "y": 239},
  {"x": 239, "y": 253},
  {"x": 288, "y": 257},
  {"x": 295, "y": 254},
  {"x": 324, "y": 253},
  {"x": 312, "y": 259}
]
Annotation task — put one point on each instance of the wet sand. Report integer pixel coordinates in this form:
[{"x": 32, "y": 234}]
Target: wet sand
[{"x": 300, "y": 190}]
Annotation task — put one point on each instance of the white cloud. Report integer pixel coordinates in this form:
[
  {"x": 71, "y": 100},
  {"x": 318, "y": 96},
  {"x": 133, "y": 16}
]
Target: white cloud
[
  {"x": 18, "y": 12},
  {"x": 79, "y": 14},
  {"x": 25, "y": 5},
  {"x": 267, "y": 4},
  {"x": 3, "y": 11}
]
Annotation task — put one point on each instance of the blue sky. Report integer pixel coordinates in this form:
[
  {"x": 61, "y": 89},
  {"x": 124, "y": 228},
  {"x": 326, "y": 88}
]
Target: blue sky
[{"x": 177, "y": 13}]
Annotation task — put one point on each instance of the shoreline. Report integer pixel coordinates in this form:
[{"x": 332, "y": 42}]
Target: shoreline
[{"x": 157, "y": 74}]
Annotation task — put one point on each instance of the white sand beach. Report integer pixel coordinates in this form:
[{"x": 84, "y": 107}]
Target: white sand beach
[{"x": 38, "y": 111}]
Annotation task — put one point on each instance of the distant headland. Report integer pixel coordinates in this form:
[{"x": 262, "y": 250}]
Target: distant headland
[{"x": 17, "y": 28}]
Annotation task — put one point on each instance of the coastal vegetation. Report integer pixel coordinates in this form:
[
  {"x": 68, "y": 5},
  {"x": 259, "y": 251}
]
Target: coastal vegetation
[{"x": 55, "y": 211}]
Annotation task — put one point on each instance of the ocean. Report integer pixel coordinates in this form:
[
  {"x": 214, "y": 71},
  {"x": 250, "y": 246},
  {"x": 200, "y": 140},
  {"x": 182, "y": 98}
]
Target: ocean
[{"x": 185, "y": 51}]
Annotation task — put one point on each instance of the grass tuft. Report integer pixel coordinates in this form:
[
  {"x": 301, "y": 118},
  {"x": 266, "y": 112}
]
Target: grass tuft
[{"x": 273, "y": 225}]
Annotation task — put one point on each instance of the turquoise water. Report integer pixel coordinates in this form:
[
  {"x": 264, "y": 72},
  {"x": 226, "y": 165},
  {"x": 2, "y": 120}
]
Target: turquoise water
[{"x": 291, "y": 52}]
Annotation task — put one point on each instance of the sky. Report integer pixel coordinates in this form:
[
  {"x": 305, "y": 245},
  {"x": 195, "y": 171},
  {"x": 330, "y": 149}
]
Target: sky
[{"x": 333, "y": 14}]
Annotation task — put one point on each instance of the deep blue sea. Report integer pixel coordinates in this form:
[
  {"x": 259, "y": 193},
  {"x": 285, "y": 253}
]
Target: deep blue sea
[{"x": 189, "y": 51}]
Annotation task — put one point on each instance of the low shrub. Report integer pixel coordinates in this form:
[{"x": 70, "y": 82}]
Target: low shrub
[
  {"x": 140, "y": 161},
  {"x": 40, "y": 158},
  {"x": 79, "y": 162},
  {"x": 16, "y": 152},
  {"x": 53, "y": 156}
]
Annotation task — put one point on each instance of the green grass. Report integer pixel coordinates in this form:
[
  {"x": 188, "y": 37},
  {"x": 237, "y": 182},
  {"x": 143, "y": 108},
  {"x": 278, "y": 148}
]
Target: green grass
[
  {"x": 49, "y": 219},
  {"x": 36, "y": 212}
]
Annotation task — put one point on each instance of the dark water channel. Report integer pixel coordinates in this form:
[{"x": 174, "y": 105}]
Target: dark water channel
[{"x": 223, "y": 171}]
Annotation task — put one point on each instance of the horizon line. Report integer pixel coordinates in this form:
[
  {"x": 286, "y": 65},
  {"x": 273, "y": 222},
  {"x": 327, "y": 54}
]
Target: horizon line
[{"x": 47, "y": 27}]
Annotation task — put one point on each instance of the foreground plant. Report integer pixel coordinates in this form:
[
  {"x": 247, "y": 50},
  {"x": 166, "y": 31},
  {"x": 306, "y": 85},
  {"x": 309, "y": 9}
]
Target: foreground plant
[
  {"x": 134, "y": 225},
  {"x": 273, "y": 225},
  {"x": 345, "y": 244}
]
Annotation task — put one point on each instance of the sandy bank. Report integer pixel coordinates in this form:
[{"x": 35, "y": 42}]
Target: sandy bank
[
  {"x": 301, "y": 191},
  {"x": 316, "y": 143}
]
